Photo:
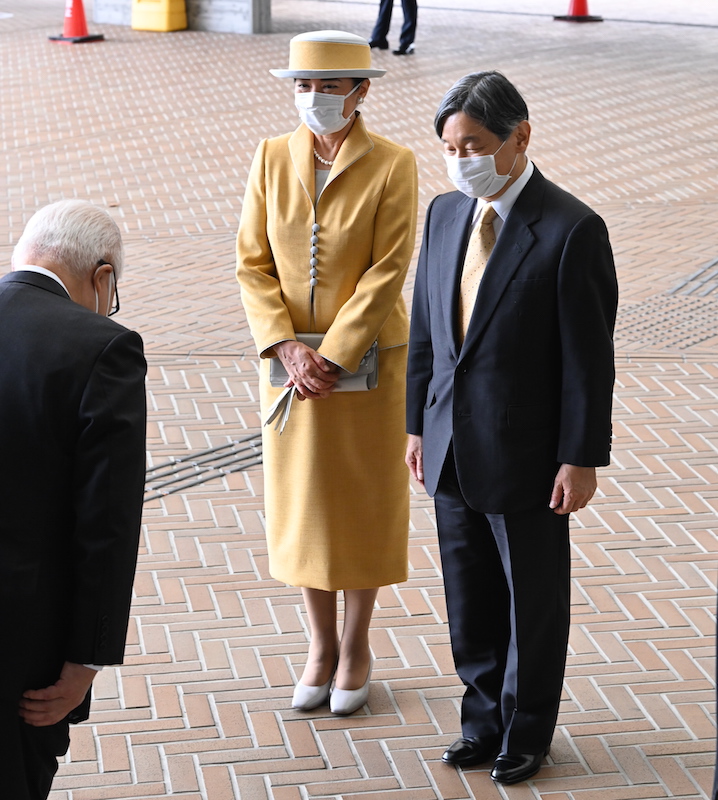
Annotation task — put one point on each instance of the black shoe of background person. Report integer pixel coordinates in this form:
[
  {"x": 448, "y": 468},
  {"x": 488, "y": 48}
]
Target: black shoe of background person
[
  {"x": 380, "y": 45},
  {"x": 466, "y": 752},
  {"x": 510, "y": 768},
  {"x": 404, "y": 51}
]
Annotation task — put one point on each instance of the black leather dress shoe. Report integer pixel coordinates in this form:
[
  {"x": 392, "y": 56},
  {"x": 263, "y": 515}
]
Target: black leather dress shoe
[
  {"x": 514, "y": 768},
  {"x": 467, "y": 752}
]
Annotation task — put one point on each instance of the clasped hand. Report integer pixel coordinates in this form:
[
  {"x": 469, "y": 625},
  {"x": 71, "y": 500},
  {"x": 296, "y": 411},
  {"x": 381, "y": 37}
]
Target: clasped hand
[
  {"x": 41, "y": 707},
  {"x": 311, "y": 374}
]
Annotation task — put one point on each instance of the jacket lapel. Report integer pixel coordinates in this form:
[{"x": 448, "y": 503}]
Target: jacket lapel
[
  {"x": 301, "y": 144},
  {"x": 514, "y": 242},
  {"x": 453, "y": 249},
  {"x": 356, "y": 145}
]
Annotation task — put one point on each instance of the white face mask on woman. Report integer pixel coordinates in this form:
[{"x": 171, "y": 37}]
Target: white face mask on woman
[
  {"x": 477, "y": 176},
  {"x": 323, "y": 113}
]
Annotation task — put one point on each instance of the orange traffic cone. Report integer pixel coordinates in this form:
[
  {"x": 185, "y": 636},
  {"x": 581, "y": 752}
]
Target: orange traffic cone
[
  {"x": 75, "y": 28},
  {"x": 578, "y": 12}
]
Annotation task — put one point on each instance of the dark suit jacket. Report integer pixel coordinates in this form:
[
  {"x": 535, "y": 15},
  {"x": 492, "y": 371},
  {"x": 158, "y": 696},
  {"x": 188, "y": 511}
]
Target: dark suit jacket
[
  {"x": 72, "y": 443},
  {"x": 531, "y": 386}
]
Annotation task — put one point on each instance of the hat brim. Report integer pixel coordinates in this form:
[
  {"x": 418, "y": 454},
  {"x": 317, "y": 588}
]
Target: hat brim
[{"x": 328, "y": 73}]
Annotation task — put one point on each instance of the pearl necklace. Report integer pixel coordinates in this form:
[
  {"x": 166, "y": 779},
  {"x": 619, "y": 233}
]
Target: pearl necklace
[{"x": 322, "y": 160}]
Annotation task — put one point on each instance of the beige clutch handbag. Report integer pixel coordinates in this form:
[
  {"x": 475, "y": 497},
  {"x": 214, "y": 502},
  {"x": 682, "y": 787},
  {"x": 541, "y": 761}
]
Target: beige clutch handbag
[{"x": 365, "y": 378}]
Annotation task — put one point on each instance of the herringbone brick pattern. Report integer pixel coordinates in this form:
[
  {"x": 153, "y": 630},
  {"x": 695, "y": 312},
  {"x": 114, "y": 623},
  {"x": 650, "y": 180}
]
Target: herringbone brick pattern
[{"x": 161, "y": 129}]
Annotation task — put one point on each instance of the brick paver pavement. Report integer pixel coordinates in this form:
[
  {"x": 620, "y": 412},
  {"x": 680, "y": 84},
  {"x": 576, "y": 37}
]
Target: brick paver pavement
[{"x": 161, "y": 129}]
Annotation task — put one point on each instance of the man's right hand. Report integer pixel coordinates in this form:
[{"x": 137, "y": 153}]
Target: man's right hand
[
  {"x": 310, "y": 374},
  {"x": 415, "y": 457}
]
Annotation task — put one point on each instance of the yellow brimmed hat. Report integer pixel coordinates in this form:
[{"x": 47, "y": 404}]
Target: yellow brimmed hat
[{"x": 328, "y": 54}]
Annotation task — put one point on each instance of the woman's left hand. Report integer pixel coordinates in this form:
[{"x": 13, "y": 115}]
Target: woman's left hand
[{"x": 311, "y": 375}]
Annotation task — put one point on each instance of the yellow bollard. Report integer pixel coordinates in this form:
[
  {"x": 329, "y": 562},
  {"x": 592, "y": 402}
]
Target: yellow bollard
[{"x": 159, "y": 15}]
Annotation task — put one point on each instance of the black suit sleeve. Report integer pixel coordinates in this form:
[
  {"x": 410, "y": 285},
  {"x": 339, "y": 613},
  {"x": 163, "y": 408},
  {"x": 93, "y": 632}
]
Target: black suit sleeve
[
  {"x": 420, "y": 364},
  {"x": 107, "y": 486},
  {"x": 587, "y": 298}
]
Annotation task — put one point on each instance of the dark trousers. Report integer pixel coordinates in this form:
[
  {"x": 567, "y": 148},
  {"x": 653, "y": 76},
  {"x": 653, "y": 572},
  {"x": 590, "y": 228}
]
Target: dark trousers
[
  {"x": 506, "y": 579},
  {"x": 383, "y": 21},
  {"x": 29, "y": 755}
]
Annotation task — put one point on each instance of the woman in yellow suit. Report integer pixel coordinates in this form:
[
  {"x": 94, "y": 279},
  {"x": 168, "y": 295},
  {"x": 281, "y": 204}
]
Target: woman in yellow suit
[{"x": 325, "y": 238}]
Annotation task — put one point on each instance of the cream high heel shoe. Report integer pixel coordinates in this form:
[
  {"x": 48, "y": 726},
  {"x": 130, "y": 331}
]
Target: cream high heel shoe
[
  {"x": 347, "y": 701},
  {"x": 305, "y": 698}
]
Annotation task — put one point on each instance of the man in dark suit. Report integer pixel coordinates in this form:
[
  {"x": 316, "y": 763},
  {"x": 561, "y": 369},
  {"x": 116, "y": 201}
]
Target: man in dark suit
[
  {"x": 408, "y": 29},
  {"x": 72, "y": 439},
  {"x": 509, "y": 404}
]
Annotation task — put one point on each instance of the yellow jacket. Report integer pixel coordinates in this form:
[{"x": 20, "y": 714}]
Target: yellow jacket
[{"x": 364, "y": 224}]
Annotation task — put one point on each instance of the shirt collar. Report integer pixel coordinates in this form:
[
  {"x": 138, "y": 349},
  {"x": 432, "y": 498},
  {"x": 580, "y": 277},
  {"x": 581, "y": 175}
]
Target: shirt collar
[
  {"x": 502, "y": 205},
  {"x": 43, "y": 271}
]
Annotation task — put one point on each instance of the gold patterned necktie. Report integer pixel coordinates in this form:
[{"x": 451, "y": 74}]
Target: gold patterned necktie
[{"x": 481, "y": 243}]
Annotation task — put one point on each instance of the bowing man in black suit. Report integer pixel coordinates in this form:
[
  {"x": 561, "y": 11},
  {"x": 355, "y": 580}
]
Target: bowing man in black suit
[
  {"x": 72, "y": 440},
  {"x": 509, "y": 413}
]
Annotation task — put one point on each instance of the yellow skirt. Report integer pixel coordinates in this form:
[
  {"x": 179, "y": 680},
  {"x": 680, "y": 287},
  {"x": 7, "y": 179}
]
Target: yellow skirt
[{"x": 336, "y": 485}]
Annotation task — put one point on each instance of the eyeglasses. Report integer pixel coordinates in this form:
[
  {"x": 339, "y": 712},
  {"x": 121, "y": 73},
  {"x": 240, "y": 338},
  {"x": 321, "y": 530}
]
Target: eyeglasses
[{"x": 116, "y": 301}]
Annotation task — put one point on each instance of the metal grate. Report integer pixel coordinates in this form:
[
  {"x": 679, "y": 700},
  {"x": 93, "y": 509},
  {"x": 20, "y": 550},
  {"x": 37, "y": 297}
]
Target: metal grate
[
  {"x": 179, "y": 474},
  {"x": 700, "y": 283},
  {"x": 668, "y": 323}
]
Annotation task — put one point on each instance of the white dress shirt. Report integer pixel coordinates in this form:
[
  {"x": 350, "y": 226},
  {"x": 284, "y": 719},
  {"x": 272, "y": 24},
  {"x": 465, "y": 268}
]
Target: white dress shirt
[
  {"x": 505, "y": 203},
  {"x": 42, "y": 271}
]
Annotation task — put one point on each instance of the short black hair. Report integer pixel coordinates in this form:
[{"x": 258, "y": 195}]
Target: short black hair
[{"x": 488, "y": 97}]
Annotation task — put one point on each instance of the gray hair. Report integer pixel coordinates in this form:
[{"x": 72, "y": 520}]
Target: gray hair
[
  {"x": 487, "y": 97},
  {"x": 74, "y": 234}
]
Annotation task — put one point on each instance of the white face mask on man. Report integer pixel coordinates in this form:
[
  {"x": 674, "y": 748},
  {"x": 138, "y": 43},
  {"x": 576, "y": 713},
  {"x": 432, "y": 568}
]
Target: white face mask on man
[
  {"x": 323, "y": 113},
  {"x": 477, "y": 176}
]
